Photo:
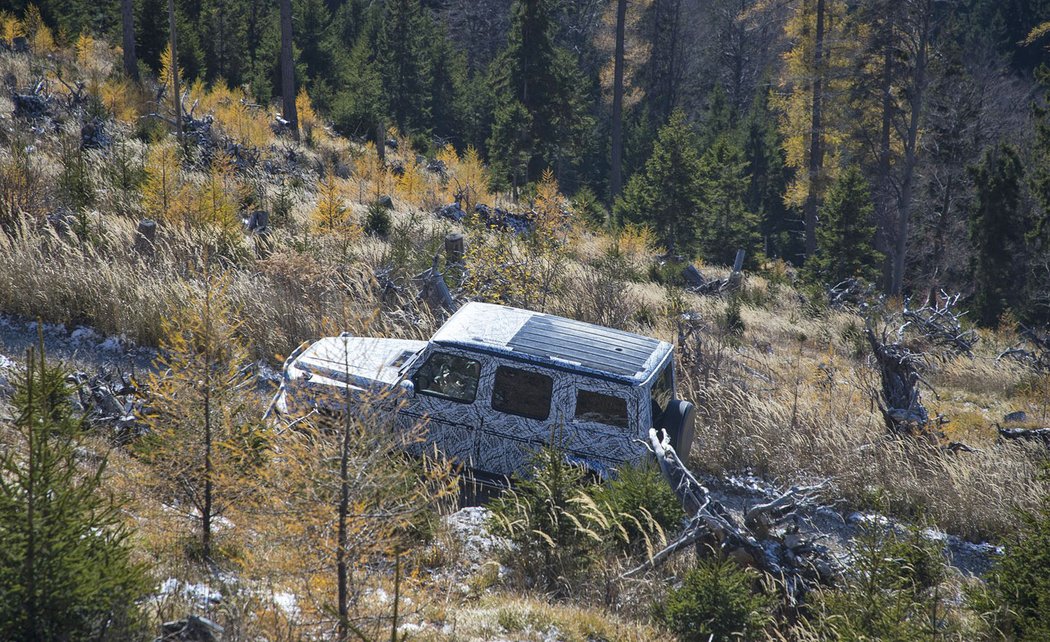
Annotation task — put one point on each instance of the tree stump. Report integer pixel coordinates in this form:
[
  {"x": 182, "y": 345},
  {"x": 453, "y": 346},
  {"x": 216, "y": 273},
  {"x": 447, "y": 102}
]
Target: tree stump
[
  {"x": 455, "y": 248},
  {"x": 146, "y": 237},
  {"x": 737, "y": 276}
]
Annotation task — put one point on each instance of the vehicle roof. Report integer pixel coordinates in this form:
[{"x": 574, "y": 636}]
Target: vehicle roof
[{"x": 556, "y": 341}]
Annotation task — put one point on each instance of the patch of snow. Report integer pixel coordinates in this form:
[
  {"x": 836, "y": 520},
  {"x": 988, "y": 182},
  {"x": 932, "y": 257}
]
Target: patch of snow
[
  {"x": 264, "y": 372},
  {"x": 115, "y": 344},
  {"x": 287, "y": 602},
  {"x": 200, "y": 594},
  {"x": 84, "y": 335}
]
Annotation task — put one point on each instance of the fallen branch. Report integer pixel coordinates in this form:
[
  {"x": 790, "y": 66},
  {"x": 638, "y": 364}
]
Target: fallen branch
[
  {"x": 800, "y": 564},
  {"x": 941, "y": 323}
]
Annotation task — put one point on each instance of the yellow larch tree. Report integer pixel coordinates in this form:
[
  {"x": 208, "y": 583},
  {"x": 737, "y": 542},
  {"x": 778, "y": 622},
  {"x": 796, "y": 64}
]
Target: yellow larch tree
[
  {"x": 36, "y": 30},
  {"x": 162, "y": 192},
  {"x": 10, "y": 26},
  {"x": 308, "y": 120},
  {"x": 205, "y": 441},
  {"x": 804, "y": 78},
  {"x": 332, "y": 214}
]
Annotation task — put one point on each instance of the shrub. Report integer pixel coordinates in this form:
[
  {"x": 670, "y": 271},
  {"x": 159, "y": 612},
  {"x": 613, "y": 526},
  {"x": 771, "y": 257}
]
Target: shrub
[
  {"x": 1017, "y": 597},
  {"x": 378, "y": 221},
  {"x": 642, "y": 504},
  {"x": 888, "y": 591},
  {"x": 717, "y": 600},
  {"x": 731, "y": 322},
  {"x": 538, "y": 517}
]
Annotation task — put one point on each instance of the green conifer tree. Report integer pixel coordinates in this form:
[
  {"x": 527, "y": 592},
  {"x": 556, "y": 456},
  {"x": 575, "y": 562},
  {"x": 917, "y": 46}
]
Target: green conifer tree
[
  {"x": 844, "y": 238},
  {"x": 65, "y": 555},
  {"x": 997, "y": 234},
  {"x": 403, "y": 55},
  {"x": 545, "y": 80},
  {"x": 725, "y": 222},
  {"x": 665, "y": 194}
]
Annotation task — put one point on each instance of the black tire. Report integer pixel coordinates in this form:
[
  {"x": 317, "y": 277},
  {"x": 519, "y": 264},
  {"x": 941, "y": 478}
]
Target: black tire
[{"x": 679, "y": 422}]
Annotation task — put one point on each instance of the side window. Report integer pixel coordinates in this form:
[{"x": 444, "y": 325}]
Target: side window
[
  {"x": 522, "y": 392},
  {"x": 450, "y": 376},
  {"x": 662, "y": 393},
  {"x": 604, "y": 409}
]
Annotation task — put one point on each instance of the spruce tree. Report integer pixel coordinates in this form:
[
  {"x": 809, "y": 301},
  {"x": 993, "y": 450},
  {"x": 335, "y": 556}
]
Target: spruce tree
[
  {"x": 1038, "y": 237},
  {"x": 844, "y": 239},
  {"x": 997, "y": 234},
  {"x": 65, "y": 554},
  {"x": 405, "y": 65},
  {"x": 726, "y": 224},
  {"x": 665, "y": 194},
  {"x": 764, "y": 151},
  {"x": 545, "y": 80}
]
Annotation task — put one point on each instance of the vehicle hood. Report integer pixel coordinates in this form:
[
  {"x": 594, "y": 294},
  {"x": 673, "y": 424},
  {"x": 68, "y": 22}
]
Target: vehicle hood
[{"x": 359, "y": 361}]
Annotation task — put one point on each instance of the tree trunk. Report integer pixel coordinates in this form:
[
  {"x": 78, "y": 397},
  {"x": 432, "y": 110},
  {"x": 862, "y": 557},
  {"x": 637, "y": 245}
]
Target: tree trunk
[
  {"x": 616, "y": 176},
  {"x": 207, "y": 508},
  {"x": 885, "y": 222},
  {"x": 910, "y": 150},
  {"x": 176, "y": 98},
  {"x": 288, "y": 69},
  {"x": 127, "y": 19},
  {"x": 341, "y": 565},
  {"x": 816, "y": 150}
]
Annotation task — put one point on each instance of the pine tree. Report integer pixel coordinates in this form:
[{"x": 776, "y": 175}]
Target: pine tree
[
  {"x": 844, "y": 239},
  {"x": 666, "y": 193},
  {"x": 204, "y": 436},
  {"x": 65, "y": 563},
  {"x": 404, "y": 63},
  {"x": 726, "y": 224},
  {"x": 997, "y": 234},
  {"x": 763, "y": 151},
  {"x": 543, "y": 78}
]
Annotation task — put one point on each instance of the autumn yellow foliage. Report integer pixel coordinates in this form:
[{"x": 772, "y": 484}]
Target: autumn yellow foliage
[
  {"x": 10, "y": 26},
  {"x": 332, "y": 213},
  {"x": 795, "y": 100},
  {"x": 468, "y": 180},
  {"x": 40, "y": 37},
  {"x": 163, "y": 193},
  {"x": 374, "y": 177},
  {"x": 309, "y": 122},
  {"x": 234, "y": 112}
]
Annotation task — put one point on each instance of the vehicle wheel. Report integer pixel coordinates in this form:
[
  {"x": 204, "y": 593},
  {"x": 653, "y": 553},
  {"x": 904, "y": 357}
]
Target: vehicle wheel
[{"x": 679, "y": 422}]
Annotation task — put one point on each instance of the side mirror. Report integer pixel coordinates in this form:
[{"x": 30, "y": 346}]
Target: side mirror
[{"x": 408, "y": 387}]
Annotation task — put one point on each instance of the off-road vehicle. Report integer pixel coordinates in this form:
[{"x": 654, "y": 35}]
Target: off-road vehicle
[{"x": 495, "y": 384}]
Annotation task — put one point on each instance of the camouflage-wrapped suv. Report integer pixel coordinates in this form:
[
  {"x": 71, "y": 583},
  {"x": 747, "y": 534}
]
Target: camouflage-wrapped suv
[{"x": 494, "y": 384}]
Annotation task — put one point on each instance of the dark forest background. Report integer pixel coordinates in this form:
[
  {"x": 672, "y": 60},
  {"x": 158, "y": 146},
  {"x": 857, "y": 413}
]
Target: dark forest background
[{"x": 900, "y": 141}]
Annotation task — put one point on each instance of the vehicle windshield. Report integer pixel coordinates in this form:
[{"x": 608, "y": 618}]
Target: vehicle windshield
[{"x": 407, "y": 363}]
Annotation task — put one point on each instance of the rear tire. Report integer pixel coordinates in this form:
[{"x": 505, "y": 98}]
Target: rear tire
[{"x": 679, "y": 422}]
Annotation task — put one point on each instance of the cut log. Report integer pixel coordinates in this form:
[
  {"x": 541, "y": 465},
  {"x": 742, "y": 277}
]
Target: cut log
[
  {"x": 146, "y": 237},
  {"x": 455, "y": 248}
]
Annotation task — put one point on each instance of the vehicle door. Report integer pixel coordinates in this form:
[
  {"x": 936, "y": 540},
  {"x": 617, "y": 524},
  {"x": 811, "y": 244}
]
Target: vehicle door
[
  {"x": 603, "y": 427},
  {"x": 447, "y": 385},
  {"x": 523, "y": 413}
]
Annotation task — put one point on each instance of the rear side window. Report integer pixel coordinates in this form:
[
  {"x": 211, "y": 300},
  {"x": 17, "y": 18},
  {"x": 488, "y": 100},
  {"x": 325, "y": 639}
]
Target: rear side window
[
  {"x": 522, "y": 392},
  {"x": 449, "y": 376},
  {"x": 604, "y": 409},
  {"x": 662, "y": 393}
]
